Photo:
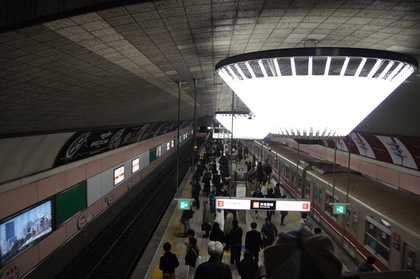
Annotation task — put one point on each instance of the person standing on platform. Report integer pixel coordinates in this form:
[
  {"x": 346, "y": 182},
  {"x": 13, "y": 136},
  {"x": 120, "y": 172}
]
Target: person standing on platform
[
  {"x": 207, "y": 218},
  {"x": 257, "y": 194},
  {"x": 168, "y": 262},
  {"x": 283, "y": 214},
  {"x": 236, "y": 243},
  {"x": 228, "y": 227},
  {"x": 248, "y": 267},
  {"x": 206, "y": 181},
  {"x": 269, "y": 232},
  {"x": 268, "y": 172},
  {"x": 190, "y": 235},
  {"x": 187, "y": 214},
  {"x": 220, "y": 218},
  {"x": 192, "y": 253},
  {"x": 253, "y": 241},
  {"x": 214, "y": 268},
  {"x": 270, "y": 194},
  {"x": 277, "y": 192},
  {"x": 304, "y": 222},
  {"x": 217, "y": 234},
  {"x": 196, "y": 194}
]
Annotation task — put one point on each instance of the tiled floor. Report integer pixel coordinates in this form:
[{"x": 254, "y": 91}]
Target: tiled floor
[{"x": 174, "y": 230}]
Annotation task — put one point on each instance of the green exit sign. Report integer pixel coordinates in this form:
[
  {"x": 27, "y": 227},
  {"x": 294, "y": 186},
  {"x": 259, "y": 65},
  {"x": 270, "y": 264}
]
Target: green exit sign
[
  {"x": 184, "y": 204},
  {"x": 339, "y": 209}
]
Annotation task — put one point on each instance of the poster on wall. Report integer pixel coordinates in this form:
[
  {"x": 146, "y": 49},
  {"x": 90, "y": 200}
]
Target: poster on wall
[{"x": 24, "y": 229}]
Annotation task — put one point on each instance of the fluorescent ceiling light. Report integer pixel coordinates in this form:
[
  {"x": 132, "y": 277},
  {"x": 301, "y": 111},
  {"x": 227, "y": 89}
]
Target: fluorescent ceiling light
[
  {"x": 315, "y": 92},
  {"x": 245, "y": 126}
]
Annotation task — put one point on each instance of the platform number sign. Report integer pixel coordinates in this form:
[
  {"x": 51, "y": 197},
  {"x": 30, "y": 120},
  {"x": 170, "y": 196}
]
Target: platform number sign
[
  {"x": 184, "y": 204},
  {"x": 339, "y": 209}
]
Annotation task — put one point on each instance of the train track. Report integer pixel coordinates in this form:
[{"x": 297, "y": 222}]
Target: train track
[{"x": 117, "y": 250}]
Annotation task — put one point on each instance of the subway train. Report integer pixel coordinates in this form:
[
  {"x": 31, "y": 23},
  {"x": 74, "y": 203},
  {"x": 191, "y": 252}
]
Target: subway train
[
  {"x": 48, "y": 217},
  {"x": 378, "y": 220}
]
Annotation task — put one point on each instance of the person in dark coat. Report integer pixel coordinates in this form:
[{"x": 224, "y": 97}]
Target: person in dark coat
[
  {"x": 192, "y": 252},
  {"x": 235, "y": 243},
  {"x": 168, "y": 262},
  {"x": 283, "y": 213},
  {"x": 217, "y": 234},
  {"x": 269, "y": 232},
  {"x": 214, "y": 267},
  {"x": 196, "y": 194},
  {"x": 248, "y": 267},
  {"x": 271, "y": 195},
  {"x": 253, "y": 241},
  {"x": 187, "y": 214},
  {"x": 257, "y": 194}
]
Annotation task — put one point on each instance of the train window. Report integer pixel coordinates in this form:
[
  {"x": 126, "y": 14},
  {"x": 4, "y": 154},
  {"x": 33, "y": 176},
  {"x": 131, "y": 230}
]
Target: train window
[
  {"x": 329, "y": 199},
  {"x": 385, "y": 238},
  {"x": 320, "y": 196},
  {"x": 411, "y": 257},
  {"x": 315, "y": 193},
  {"x": 286, "y": 172},
  {"x": 308, "y": 188},
  {"x": 371, "y": 229},
  {"x": 276, "y": 164},
  {"x": 355, "y": 222},
  {"x": 348, "y": 216},
  {"x": 293, "y": 178},
  {"x": 378, "y": 238}
]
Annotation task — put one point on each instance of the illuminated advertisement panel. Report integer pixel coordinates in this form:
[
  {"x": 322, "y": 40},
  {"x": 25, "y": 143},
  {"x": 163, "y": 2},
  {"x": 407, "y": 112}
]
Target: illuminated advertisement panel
[
  {"x": 118, "y": 175},
  {"x": 135, "y": 165},
  {"x": 232, "y": 204},
  {"x": 24, "y": 229},
  {"x": 293, "y": 205}
]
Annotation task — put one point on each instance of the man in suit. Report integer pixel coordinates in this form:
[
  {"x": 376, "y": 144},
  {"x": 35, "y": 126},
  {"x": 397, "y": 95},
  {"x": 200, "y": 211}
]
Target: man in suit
[{"x": 253, "y": 241}]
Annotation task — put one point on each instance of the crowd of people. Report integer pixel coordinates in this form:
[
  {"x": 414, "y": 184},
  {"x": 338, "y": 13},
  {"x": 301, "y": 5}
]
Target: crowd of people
[{"x": 302, "y": 253}]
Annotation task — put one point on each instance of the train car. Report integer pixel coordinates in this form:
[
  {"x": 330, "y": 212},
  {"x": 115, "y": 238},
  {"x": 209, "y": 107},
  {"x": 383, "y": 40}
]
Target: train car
[{"x": 379, "y": 219}]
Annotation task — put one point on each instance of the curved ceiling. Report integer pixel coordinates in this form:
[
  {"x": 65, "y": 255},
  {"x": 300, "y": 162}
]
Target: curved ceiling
[{"x": 69, "y": 68}]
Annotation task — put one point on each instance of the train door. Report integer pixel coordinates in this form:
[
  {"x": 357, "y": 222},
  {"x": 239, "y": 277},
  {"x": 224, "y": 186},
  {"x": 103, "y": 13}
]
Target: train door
[{"x": 411, "y": 257}]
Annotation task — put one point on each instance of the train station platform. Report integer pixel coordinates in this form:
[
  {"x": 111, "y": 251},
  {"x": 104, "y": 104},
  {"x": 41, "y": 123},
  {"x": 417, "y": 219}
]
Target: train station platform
[{"x": 171, "y": 230}]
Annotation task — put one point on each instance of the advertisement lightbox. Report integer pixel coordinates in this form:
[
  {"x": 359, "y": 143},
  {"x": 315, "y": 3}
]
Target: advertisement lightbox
[{"x": 20, "y": 231}]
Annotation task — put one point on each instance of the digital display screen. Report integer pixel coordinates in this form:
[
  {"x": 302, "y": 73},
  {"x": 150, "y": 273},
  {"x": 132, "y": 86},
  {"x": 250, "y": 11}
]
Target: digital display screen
[
  {"x": 118, "y": 175},
  {"x": 135, "y": 165},
  {"x": 19, "y": 232}
]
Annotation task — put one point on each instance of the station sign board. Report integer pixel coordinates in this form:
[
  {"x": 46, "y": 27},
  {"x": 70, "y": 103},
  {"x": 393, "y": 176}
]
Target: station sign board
[
  {"x": 339, "y": 209},
  {"x": 238, "y": 204},
  {"x": 293, "y": 205},
  {"x": 263, "y": 204},
  {"x": 184, "y": 204}
]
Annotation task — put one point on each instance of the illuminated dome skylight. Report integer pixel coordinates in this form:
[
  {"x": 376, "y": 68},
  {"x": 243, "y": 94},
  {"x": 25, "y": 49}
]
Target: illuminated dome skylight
[{"x": 315, "y": 92}]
